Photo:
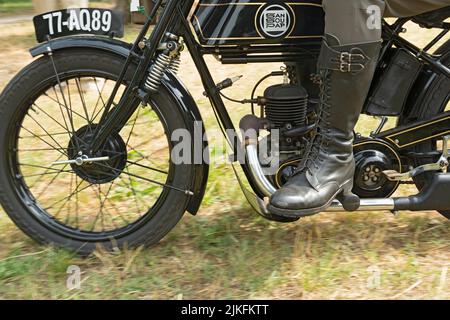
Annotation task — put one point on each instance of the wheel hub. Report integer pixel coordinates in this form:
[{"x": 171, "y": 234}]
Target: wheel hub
[
  {"x": 97, "y": 172},
  {"x": 372, "y": 158}
]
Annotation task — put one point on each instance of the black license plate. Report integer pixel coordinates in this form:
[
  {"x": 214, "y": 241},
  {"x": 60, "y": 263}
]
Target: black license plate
[{"x": 68, "y": 22}]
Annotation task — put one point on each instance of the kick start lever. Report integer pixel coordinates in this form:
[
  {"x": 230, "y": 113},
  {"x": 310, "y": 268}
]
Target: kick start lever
[{"x": 442, "y": 164}]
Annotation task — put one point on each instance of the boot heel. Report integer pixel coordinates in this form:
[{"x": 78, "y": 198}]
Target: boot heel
[{"x": 348, "y": 199}]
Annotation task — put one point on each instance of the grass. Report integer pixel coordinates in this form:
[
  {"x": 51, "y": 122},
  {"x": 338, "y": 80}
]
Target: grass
[
  {"x": 10, "y": 7},
  {"x": 235, "y": 255},
  {"x": 25, "y": 7},
  {"x": 227, "y": 251}
]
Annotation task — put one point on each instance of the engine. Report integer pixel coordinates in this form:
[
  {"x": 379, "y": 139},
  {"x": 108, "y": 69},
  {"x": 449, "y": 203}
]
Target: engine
[{"x": 286, "y": 106}]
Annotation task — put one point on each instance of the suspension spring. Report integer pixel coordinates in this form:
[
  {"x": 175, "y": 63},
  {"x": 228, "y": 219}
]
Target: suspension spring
[
  {"x": 162, "y": 63},
  {"x": 175, "y": 64}
]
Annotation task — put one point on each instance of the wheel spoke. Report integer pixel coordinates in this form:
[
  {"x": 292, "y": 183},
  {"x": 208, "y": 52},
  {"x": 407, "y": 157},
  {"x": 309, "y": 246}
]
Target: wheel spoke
[
  {"x": 100, "y": 98},
  {"x": 83, "y": 102},
  {"x": 143, "y": 157},
  {"x": 45, "y": 174},
  {"x": 140, "y": 123},
  {"x": 101, "y": 110},
  {"x": 106, "y": 199},
  {"x": 45, "y": 130},
  {"x": 42, "y": 135},
  {"x": 102, "y": 204},
  {"x": 146, "y": 167},
  {"x": 148, "y": 180},
  {"x": 133, "y": 126},
  {"x": 77, "y": 218},
  {"x": 56, "y": 121},
  {"x": 133, "y": 190},
  {"x": 41, "y": 149},
  {"x": 38, "y": 166},
  {"x": 61, "y": 110},
  {"x": 69, "y": 112},
  {"x": 69, "y": 196},
  {"x": 69, "y": 209},
  {"x": 48, "y": 171},
  {"x": 64, "y": 107},
  {"x": 53, "y": 180},
  {"x": 47, "y": 143}
]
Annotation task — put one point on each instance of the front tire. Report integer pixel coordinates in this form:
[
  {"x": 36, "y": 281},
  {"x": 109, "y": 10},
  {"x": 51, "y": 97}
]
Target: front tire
[{"x": 134, "y": 211}]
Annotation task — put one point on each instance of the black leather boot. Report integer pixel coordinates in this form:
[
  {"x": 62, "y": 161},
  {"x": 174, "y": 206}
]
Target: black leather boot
[{"x": 328, "y": 167}]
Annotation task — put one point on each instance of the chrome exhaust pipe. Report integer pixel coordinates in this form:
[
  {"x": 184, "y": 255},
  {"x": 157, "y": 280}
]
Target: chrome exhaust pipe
[
  {"x": 264, "y": 185},
  {"x": 267, "y": 188}
]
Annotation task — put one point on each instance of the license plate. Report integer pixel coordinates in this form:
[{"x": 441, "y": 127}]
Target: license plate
[{"x": 68, "y": 22}]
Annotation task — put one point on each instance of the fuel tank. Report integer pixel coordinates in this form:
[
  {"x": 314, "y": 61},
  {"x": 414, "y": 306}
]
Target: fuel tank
[{"x": 247, "y": 22}]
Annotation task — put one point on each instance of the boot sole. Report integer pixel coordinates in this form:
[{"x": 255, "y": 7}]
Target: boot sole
[{"x": 300, "y": 213}]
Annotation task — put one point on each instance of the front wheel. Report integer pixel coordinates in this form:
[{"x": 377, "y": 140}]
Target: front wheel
[{"x": 135, "y": 197}]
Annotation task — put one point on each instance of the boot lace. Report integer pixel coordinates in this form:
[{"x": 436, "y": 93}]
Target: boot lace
[{"x": 318, "y": 143}]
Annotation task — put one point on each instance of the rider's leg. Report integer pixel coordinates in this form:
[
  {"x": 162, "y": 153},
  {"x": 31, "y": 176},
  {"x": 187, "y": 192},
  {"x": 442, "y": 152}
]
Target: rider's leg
[{"x": 347, "y": 63}]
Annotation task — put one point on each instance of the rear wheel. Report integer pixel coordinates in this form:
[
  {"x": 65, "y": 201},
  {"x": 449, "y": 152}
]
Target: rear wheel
[
  {"x": 135, "y": 197},
  {"x": 435, "y": 101}
]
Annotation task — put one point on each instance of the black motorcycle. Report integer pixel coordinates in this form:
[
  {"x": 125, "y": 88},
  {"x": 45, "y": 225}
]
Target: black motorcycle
[{"x": 86, "y": 129}]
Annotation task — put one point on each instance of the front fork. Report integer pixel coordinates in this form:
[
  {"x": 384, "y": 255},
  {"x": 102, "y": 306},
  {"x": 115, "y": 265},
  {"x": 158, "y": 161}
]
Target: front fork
[{"x": 114, "y": 119}]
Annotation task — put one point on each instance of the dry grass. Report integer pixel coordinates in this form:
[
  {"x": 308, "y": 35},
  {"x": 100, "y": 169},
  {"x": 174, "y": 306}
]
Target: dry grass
[{"x": 229, "y": 252}]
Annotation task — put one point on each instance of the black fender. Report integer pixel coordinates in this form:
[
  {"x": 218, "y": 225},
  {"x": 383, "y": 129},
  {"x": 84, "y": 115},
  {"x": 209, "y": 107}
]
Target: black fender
[{"x": 186, "y": 103}]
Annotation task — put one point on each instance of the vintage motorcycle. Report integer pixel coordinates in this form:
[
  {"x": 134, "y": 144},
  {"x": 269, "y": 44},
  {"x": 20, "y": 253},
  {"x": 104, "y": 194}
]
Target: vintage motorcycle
[{"x": 85, "y": 130}]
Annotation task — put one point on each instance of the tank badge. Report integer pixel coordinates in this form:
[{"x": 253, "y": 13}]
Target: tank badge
[{"x": 274, "y": 21}]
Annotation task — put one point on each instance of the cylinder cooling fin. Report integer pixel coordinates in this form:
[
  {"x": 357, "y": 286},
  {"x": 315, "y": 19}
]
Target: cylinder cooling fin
[{"x": 286, "y": 104}]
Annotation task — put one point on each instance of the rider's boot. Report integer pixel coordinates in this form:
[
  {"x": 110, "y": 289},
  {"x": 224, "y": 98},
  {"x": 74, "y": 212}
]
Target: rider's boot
[{"x": 327, "y": 170}]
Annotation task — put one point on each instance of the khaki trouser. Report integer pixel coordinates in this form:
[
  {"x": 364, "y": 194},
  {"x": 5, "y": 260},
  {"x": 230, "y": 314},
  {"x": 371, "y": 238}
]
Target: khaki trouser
[
  {"x": 42, "y": 6},
  {"x": 348, "y": 19}
]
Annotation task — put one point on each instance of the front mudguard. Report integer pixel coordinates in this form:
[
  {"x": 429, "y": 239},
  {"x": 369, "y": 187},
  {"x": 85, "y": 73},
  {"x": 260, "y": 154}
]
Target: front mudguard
[{"x": 186, "y": 103}]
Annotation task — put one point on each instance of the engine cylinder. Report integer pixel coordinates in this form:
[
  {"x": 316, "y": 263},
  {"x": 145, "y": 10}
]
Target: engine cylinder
[{"x": 286, "y": 104}]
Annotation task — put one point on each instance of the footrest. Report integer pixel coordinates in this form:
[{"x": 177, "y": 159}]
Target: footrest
[{"x": 350, "y": 202}]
